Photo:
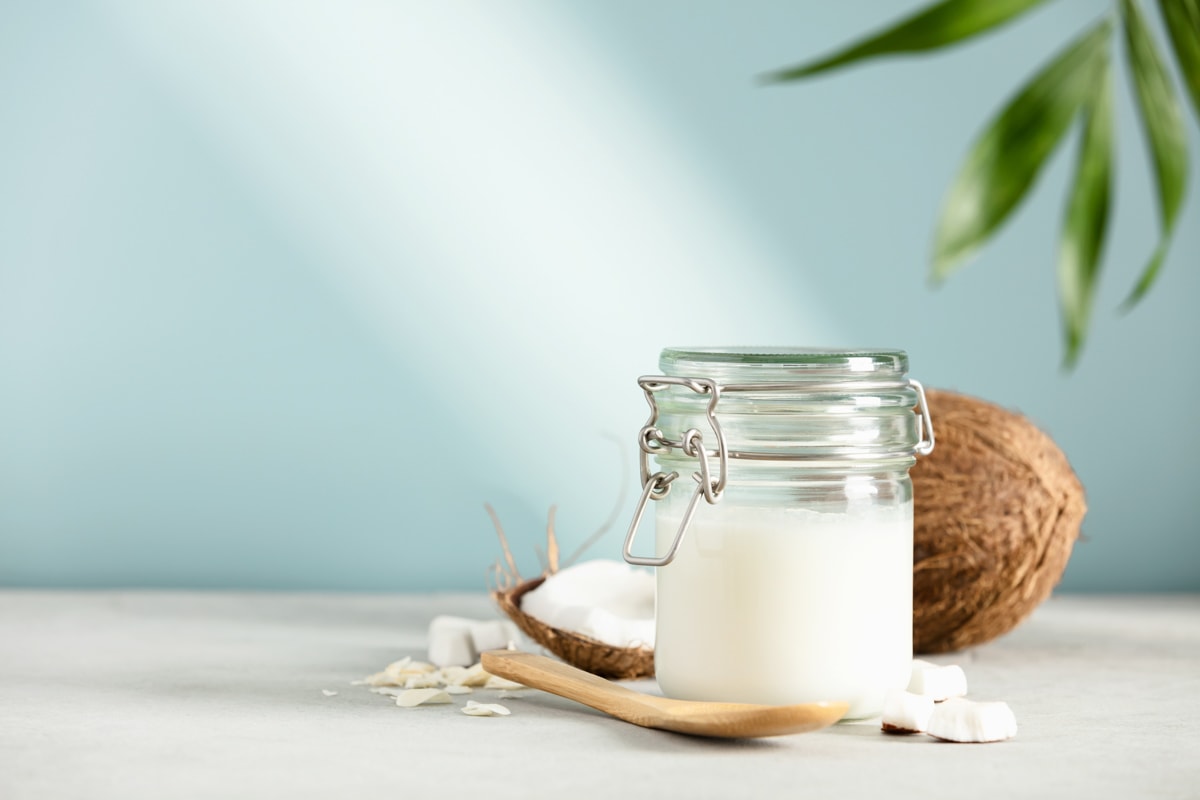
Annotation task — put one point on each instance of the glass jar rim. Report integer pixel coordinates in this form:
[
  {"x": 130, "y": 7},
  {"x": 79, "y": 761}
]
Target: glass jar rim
[{"x": 784, "y": 362}]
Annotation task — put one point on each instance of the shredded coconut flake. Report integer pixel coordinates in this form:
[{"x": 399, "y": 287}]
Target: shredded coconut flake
[
  {"x": 485, "y": 709},
  {"x": 423, "y": 682},
  {"x": 414, "y": 683},
  {"x": 410, "y": 698},
  {"x": 474, "y": 676}
]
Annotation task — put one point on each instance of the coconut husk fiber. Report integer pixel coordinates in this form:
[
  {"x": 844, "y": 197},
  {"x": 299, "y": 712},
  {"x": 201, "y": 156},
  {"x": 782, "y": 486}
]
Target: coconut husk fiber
[{"x": 997, "y": 510}]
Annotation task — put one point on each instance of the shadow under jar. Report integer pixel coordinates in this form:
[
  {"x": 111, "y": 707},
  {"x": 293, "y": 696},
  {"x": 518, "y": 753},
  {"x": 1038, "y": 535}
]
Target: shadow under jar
[{"x": 787, "y": 555}]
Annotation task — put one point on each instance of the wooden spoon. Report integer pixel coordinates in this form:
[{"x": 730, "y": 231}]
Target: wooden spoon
[{"x": 722, "y": 720}]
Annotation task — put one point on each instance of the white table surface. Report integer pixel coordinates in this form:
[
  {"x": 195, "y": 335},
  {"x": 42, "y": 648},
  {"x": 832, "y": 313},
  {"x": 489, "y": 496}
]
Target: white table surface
[{"x": 183, "y": 695}]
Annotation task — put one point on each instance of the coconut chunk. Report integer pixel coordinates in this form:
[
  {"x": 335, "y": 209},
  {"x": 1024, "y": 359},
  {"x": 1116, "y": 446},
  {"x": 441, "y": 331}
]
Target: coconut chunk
[
  {"x": 905, "y": 712},
  {"x": 938, "y": 682},
  {"x": 958, "y": 720},
  {"x": 450, "y": 642},
  {"x": 493, "y": 634},
  {"x": 458, "y": 641}
]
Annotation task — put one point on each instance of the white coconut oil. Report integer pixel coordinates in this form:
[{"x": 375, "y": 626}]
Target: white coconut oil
[{"x": 786, "y": 605}]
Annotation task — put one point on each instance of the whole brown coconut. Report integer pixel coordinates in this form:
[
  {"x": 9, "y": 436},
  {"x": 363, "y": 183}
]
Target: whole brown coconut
[{"x": 997, "y": 510}]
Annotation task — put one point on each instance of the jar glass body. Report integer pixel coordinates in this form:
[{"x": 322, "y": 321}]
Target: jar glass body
[{"x": 797, "y": 585}]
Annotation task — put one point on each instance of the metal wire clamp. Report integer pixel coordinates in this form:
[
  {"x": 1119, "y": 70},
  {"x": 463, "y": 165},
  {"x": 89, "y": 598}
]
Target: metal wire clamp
[{"x": 656, "y": 486}]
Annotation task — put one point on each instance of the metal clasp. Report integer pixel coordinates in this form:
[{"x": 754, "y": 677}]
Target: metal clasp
[
  {"x": 926, "y": 440},
  {"x": 656, "y": 486}
]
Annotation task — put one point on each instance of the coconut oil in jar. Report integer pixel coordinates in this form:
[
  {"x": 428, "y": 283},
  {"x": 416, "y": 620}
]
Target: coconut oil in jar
[{"x": 787, "y": 574}]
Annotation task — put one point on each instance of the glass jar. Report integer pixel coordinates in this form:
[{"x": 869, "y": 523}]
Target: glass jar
[{"x": 786, "y": 574}]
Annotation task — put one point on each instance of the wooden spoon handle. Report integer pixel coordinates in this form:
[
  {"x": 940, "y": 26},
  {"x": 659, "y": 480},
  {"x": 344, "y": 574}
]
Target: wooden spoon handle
[
  {"x": 725, "y": 720},
  {"x": 566, "y": 681}
]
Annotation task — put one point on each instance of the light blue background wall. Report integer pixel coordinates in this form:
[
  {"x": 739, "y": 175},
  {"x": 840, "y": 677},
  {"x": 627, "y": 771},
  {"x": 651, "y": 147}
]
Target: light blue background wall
[{"x": 288, "y": 290}]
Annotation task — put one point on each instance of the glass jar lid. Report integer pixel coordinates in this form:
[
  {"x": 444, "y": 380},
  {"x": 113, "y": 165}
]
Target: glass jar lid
[{"x": 759, "y": 364}]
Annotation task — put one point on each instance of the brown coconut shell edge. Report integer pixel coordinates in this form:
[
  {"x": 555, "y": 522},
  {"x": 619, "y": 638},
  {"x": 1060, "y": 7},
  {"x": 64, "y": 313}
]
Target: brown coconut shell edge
[{"x": 997, "y": 511}]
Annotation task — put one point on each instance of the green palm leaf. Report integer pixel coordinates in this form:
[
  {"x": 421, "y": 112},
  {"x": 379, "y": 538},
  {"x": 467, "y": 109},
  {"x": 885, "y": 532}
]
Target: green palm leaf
[
  {"x": 1183, "y": 24},
  {"x": 1010, "y": 153},
  {"x": 1086, "y": 221},
  {"x": 1007, "y": 157},
  {"x": 937, "y": 26},
  {"x": 1162, "y": 120}
]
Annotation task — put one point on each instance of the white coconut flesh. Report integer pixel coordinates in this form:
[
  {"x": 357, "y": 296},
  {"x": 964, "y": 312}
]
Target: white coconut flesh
[{"x": 609, "y": 601}]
